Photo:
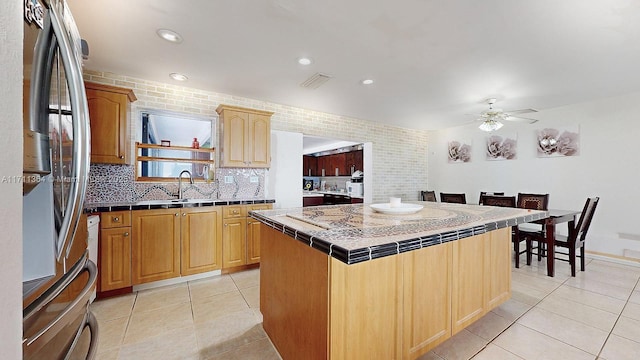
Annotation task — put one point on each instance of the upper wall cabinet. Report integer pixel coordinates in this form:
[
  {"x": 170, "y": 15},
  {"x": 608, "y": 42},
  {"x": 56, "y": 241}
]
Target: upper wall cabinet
[
  {"x": 245, "y": 137},
  {"x": 108, "y": 108}
]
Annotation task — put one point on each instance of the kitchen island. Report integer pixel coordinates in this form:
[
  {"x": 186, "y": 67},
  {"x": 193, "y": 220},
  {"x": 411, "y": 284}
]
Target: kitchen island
[{"x": 345, "y": 282}]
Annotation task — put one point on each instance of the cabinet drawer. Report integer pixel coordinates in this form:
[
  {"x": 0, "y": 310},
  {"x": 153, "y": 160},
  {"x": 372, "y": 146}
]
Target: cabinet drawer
[
  {"x": 115, "y": 219},
  {"x": 234, "y": 211},
  {"x": 259, "y": 207}
]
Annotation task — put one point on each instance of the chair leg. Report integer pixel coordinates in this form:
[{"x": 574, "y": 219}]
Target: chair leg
[
  {"x": 529, "y": 250},
  {"x": 540, "y": 250},
  {"x": 572, "y": 260},
  {"x": 582, "y": 258},
  {"x": 516, "y": 249}
]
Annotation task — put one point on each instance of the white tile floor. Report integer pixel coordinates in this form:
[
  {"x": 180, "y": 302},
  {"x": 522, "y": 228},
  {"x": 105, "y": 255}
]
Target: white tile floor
[{"x": 595, "y": 315}]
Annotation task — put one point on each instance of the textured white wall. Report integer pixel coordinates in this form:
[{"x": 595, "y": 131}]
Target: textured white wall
[
  {"x": 11, "y": 33},
  {"x": 608, "y": 166},
  {"x": 399, "y": 155}
]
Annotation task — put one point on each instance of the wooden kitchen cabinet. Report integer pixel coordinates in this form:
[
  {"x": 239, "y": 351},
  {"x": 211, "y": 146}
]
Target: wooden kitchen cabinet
[
  {"x": 342, "y": 161},
  {"x": 309, "y": 166},
  {"x": 115, "y": 250},
  {"x": 155, "y": 245},
  {"x": 168, "y": 243},
  {"x": 245, "y": 137},
  {"x": 108, "y": 108},
  {"x": 241, "y": 235},
  {"x": 234, "y": 243},
  {"x": 201, "y": 238}
]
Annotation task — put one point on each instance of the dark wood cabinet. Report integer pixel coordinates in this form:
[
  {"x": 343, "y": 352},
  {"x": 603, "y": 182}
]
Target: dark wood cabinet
[
  {"x": 342, "y": 161},
  {"x": 312, "y": 201},
  {"x": 310, "y": 166}
]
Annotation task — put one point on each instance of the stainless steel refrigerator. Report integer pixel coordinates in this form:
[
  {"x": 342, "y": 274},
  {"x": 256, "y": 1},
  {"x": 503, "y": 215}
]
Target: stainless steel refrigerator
[{"x": 58, "y": 277}]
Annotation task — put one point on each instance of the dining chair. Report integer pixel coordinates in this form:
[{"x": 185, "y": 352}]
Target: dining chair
[
  {"x": 482, "y": 193},
  {"x": 498, "y": 200},
  {"x": 428, "y": 196},
  {"x": 505, "y": 201},
  {"x": 533, "y": 202},
  {"x": 574, "y": 240},
  {"x": 453, "y": 198}
]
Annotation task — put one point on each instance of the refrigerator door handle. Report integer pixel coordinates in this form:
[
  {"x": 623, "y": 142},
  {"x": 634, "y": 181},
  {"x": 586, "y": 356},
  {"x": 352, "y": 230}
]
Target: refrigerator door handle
[
  {"x": 83, "y": 296},
  {"x": 81, "y": 134}
]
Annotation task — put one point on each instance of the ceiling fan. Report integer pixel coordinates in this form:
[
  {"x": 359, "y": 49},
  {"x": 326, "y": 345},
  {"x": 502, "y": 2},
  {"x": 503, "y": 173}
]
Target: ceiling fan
[{"x": 492, "y": 118}]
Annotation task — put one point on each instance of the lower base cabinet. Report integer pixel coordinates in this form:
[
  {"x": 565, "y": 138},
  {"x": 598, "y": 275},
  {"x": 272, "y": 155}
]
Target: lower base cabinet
[
  {"x": 168, "y": 243},
  {"x": 114, "y": 251},
  {"x": 241, "y": 235},
  {"x": 115, "y": 264}
]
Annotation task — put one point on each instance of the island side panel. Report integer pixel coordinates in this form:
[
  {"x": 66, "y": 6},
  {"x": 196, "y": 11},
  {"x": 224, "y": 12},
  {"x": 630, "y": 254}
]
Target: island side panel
[
  {"x": 467, "y": 293},
  {"x": 498, "y": 281},
  {"x": 426, "y": 299},
  {"x": 294, "y": 296},
  {"x": 366, "y": 309}
]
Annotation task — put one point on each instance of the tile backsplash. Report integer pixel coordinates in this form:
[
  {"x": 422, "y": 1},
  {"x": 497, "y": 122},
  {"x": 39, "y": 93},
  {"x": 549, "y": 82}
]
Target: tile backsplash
[{"x": 116, "y": 183}]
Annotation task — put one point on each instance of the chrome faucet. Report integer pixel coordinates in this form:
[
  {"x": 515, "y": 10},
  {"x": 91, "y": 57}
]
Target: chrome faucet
[{"x": 180, "y": 181}]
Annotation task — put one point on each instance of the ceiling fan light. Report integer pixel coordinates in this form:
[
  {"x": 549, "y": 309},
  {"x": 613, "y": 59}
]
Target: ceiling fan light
[{"x": 490, "y": 125}]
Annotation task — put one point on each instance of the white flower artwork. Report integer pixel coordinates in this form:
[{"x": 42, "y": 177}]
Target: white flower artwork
[
  {"x": 459, "y": 152},
  {"x": 501, "y": 147},
  {"x": 558, "y": 142}
]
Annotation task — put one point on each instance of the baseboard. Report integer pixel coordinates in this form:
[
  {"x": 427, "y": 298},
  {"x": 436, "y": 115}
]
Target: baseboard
[
  {"x": 613, "y": 258},
  {"x": 176, "y": 280}
]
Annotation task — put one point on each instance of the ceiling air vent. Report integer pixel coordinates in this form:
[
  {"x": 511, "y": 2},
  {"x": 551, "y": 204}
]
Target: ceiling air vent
[{"x": 315, "y": 81}]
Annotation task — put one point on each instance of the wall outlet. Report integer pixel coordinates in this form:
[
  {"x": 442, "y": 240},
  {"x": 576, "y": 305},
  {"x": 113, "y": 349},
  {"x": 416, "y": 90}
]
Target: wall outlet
[
  {"x": 228, "y": 179},
  {"x": 253, "y": 179}
]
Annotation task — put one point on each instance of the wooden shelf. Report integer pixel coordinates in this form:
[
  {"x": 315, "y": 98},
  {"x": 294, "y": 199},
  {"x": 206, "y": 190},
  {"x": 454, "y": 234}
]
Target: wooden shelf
[
  {"x": 154, "y": 158},
  {"x": 196, "y": 161},
  {"x": 179, "y": 148}
]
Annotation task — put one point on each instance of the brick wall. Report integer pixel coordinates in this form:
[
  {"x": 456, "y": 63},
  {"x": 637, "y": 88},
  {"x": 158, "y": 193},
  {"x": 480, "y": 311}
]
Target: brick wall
[{"x": 399, "y": 155}]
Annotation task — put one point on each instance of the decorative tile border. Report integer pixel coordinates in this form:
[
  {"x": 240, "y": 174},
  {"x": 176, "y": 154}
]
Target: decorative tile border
[{"x": 105, "y": 207}]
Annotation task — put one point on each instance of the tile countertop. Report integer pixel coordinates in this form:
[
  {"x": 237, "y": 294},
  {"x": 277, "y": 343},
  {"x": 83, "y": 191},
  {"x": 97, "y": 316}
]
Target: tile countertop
[
  {"x": 169, "y": 204},
  {"x": 356, "y": 233}
]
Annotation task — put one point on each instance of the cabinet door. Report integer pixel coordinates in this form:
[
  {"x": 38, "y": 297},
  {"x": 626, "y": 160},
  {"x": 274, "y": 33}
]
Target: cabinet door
[
  {"x": 468, "y": 297},
  {"x": 234, "y": 132},
  {"x": 259, "y": 141},
  {"x": 320, "y": 165},
  {"x": 234, "y": 240},
  {"x": 201, "y": 231},
  {"x": 498, "y": 267},
  {"x": 426, "y": 298},
  {"x": 115, "y": 258},
  {"x": 108, "y": 117},
  {"x": 155, "y": 245}
]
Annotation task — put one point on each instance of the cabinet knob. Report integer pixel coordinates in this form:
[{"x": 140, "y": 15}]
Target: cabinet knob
[
  {"x": 126, "y": 234},
  {"x": 226, "y": 224},
  {"x": 121, "y": 156},
  {"x": 177, "y": 214},
  {"x": 115, "y": 219},
  {"x": 184, "y": 214}
]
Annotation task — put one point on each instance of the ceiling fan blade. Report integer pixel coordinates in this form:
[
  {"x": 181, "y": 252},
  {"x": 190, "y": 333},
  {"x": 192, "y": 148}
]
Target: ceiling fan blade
[
  {"x": 521, "y": 119},
  {"x": 522, "y": 111}
]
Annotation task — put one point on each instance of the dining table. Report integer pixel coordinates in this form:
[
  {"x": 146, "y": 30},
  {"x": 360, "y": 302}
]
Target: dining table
[{"x": 556, "y": 217}]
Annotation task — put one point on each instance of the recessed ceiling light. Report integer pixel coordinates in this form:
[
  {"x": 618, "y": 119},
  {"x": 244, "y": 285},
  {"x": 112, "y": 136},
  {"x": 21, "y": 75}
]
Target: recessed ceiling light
[
  {"x": 169, "y": 35},
  {"x": 304, "y": 61},
  {"x": 179, "y": 77},
  {"x": 367, "y": 82}
]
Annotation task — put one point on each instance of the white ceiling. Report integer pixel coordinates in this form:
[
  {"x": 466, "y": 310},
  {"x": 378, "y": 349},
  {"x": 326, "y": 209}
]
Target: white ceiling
[{"x": 432, "y": 61}]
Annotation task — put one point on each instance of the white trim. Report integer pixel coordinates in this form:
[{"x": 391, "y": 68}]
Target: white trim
[{"x": 177, "y": 280}]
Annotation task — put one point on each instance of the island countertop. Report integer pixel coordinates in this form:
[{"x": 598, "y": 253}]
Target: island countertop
[{"x": 356, "y": 233}]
